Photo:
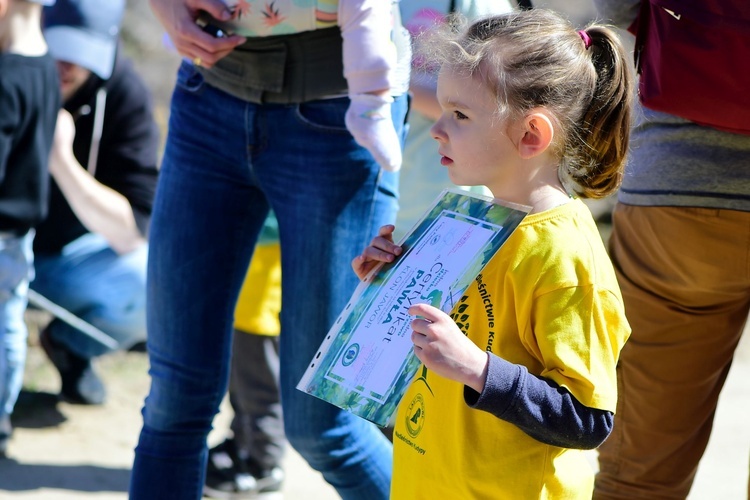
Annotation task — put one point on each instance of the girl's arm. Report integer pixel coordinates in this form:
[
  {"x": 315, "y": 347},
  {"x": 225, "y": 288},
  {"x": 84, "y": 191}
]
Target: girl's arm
[{"x": 539, "y": 407}]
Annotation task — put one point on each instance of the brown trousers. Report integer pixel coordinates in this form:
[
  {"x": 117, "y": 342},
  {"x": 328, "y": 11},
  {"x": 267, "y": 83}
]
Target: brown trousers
[{"x": 685, "y": 278}]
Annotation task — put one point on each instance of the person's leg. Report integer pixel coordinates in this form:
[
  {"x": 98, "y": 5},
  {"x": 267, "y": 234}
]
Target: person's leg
[
  {"x": 258, "y": 425},
  {"x": 254, "y": 393},
  {"x": 686, "y": 289},
  {"x": 207, "y": 216},
  {"x": 329, "y": 197},
  {"x": 15, "y": 271},
  {"x": 92, "y": 281},
  {"x": 249, "y": 461},
  {"x": 107, "y": 290}
]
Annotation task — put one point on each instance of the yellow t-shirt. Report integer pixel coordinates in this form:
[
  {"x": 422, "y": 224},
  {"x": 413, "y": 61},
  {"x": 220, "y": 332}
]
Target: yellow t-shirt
[
  {"x": 259, "y": 304},
  {"x": 549, "y": 301}
]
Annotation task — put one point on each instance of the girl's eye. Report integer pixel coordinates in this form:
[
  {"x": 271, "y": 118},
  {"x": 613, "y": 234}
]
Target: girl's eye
[{"x": 460, "y": 116}]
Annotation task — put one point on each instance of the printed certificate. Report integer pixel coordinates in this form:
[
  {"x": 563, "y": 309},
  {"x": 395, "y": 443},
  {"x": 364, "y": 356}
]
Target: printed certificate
[{"x": 366, "y": 361}]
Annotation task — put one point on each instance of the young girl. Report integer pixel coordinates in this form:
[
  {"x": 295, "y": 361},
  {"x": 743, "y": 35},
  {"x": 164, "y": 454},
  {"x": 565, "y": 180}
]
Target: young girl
[{"x": 521, "y": 376}]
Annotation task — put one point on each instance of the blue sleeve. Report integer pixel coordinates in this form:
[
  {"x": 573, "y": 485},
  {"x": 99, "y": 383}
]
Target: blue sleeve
[{"x": 539, "y": 407}]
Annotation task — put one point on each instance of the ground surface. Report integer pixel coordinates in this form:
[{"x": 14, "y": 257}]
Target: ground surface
[{"x": 63, "y": 451}]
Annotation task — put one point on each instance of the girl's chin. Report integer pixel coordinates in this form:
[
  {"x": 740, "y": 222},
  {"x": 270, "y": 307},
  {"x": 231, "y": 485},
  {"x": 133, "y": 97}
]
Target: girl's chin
[{"x": 454, "y": 177}]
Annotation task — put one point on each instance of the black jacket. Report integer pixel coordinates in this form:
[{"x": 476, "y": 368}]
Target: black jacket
[{"x": 127, "y": 152}]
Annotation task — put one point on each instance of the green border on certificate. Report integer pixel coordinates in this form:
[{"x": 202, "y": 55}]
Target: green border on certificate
[{"x": 366, "y": 361}]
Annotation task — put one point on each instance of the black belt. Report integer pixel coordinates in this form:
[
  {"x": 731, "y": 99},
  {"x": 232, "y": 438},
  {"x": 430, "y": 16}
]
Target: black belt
[{"x": 283, "y": 69}]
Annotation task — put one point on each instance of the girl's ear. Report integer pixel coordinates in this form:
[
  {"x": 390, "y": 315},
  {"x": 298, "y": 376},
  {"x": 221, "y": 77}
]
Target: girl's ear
[{"x": 538, "y": 133}]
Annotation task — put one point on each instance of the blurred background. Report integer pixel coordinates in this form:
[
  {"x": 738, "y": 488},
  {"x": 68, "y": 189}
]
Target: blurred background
[{"x": 63, "y": 451}]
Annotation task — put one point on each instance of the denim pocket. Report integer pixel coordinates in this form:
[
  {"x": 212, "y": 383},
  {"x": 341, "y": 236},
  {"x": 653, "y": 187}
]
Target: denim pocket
[
  {"x": 189, "y": 79},
  {"x": 326, "y": 115}
]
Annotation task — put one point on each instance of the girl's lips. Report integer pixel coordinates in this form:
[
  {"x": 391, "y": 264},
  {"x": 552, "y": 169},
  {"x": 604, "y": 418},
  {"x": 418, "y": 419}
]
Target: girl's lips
[{"x": 445, "y": 161}]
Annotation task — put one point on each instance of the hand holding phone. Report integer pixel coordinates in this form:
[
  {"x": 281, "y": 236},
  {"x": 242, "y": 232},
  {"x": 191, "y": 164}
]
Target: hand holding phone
[{"x": 204, "y": 22}]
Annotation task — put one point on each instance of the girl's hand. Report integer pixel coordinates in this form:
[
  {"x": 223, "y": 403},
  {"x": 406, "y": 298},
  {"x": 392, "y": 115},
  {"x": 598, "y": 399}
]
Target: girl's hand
[
  {"x": 444, "y": 349},
  {"x": 381, "y": 249}
]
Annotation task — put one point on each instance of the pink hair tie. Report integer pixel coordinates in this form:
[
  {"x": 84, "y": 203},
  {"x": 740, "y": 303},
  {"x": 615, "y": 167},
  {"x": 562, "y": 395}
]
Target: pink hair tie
[{"x": 586, "y": 38}]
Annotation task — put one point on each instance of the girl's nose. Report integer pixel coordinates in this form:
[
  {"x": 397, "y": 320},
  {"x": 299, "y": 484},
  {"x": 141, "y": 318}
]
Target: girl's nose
[{"x": 437, "y": 131}]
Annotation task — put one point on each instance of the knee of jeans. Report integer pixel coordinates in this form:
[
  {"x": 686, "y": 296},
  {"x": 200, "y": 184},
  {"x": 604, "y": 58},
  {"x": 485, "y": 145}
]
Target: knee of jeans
[
  {"x": 167, "y": 411},
  {"x": 181, "y": 401}
]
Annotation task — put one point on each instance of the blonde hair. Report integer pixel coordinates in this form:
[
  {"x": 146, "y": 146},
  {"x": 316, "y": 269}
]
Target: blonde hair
[{"x": 536, "y": 58}]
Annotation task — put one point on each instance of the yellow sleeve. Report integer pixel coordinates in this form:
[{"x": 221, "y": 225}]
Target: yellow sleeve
[{"x": 579, "y": 334}]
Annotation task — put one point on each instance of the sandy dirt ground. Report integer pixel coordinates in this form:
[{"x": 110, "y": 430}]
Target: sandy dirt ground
[{"x": 63, "y": 451}]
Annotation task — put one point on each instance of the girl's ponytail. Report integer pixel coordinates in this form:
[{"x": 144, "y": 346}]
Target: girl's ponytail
[{"x": 596, "y": 165}]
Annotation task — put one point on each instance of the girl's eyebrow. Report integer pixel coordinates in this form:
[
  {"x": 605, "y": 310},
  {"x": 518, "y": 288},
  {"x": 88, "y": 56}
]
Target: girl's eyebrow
[{"x": 453, "y": 103}]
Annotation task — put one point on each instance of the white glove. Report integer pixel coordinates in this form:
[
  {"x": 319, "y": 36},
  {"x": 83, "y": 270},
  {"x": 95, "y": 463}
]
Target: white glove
[{"x": 369, "y": 121}]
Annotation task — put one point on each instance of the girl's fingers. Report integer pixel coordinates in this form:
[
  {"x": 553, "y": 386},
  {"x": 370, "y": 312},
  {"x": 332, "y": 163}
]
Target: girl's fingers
[
  {"x": 386, "y": 230},
  {"x": 427, "y": 312},
  {"x": 375, "y": 253},
  {"x": 386, "y": 245},
  {"x": 381, "y": 249}
]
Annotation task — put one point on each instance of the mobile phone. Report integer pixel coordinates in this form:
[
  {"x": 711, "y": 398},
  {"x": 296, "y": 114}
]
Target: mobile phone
[{"x": 204, "y": 23}]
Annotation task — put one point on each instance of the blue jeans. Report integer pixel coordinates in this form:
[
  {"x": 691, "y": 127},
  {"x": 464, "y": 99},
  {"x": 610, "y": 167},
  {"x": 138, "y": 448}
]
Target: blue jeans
[
  {"x": 16, "y": 268},
  {"x": 96, "y": 284},
  {"x": 226, "y": 162}
]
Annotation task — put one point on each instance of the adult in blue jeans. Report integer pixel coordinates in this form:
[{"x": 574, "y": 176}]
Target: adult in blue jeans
[{"x": 237, "y": 148}]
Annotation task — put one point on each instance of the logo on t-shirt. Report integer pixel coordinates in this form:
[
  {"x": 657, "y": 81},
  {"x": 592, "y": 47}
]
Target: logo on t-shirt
[
  {"x": 459, "y": 315},
  {"x": 415, "y": 416}
]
